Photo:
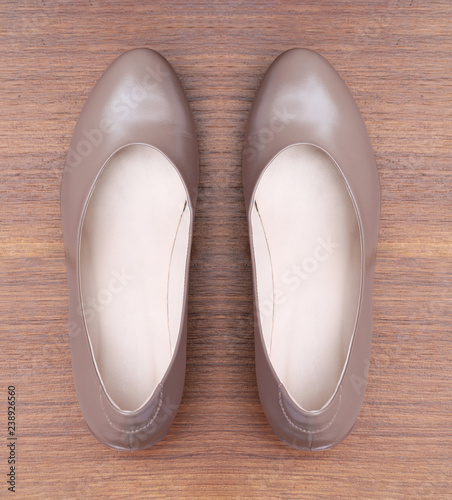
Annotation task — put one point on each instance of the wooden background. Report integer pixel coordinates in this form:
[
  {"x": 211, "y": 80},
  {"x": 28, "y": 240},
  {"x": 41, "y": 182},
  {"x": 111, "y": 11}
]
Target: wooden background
[{"x": 396, "y": 57}]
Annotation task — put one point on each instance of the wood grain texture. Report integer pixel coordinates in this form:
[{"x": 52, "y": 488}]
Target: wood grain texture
[{"x": 396, "y": 58}]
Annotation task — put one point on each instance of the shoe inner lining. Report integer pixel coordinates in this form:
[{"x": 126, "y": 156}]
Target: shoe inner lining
[
  {"x": 306, "y": 244},
  {"x": 133, "y": 259}
]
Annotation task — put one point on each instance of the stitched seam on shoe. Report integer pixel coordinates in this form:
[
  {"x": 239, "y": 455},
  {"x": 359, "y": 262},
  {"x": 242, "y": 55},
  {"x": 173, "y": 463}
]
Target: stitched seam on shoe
[
  {"x": 139, "y": 429},
  {"x": 273, "y": 280},
  {"x": 168, "y": 278},
  {"x": 301, "y": 428}
]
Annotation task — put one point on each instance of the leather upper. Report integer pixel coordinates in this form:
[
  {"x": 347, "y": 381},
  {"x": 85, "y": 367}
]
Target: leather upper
[
  {"x": 139, "y": 99},
  {"x": 303, "y": 100}
]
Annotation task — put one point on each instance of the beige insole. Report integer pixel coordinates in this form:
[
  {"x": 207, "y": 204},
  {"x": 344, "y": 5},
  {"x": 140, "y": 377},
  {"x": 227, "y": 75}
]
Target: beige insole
[
  {"x": 307, "y": 251},
  {"x": 134, "y": 248}
]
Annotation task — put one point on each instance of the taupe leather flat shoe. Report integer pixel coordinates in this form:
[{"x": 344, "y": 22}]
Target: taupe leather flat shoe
[
  {"x": 313, "y": 200},
  {"x": 128, "y": 198}
]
